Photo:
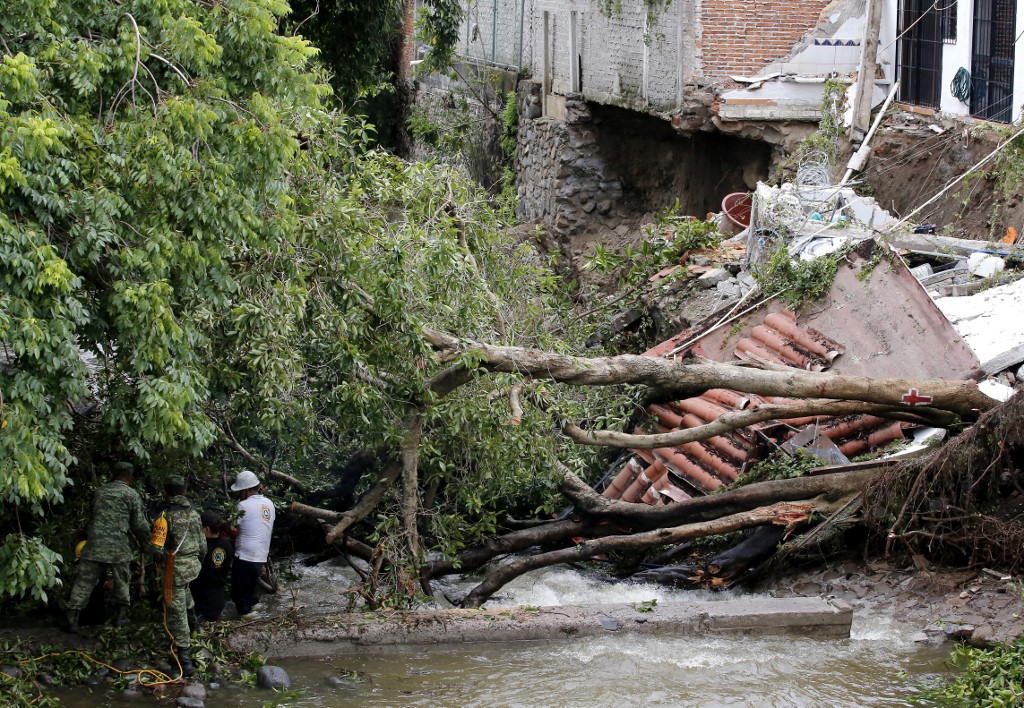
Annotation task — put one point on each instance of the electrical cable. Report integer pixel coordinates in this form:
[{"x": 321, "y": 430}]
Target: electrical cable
[
  {"x": 160, "y": 676},
  {"x": 960, "y": 87}
]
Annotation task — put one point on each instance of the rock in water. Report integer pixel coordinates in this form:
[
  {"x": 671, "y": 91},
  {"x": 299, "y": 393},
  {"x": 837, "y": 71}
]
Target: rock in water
[
  {"x": 189, "y": 702},
  {"x": 194, "y": 690},
  {"x": 273, "y": 677}
]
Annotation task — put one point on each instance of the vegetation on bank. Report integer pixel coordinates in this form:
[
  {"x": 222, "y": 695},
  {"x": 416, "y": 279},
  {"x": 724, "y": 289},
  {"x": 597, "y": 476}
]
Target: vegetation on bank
[
  {"x": 121, "y": 659},
  {"x": 208, "y": 265}
]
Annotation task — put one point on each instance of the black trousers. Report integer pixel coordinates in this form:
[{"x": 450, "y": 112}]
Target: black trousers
[{"x": 244, "y": 576}]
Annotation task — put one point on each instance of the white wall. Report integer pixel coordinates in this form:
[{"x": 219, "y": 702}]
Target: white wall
[{"x": 956, "y": 55}]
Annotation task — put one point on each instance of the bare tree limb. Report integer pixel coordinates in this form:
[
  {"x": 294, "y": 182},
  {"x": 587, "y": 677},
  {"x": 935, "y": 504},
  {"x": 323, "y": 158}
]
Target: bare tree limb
[
  {"x": 231, "y": 442},
  {"x": 517, "y": 407},
  {"x": 689, "y": 379},
  {"x": 315, "y": 513},
  {"x": 733, "y": 501},
  {"x": 368, "y": 502},
  {"x": 756, "y": 414},
  {"x": 788, "y": 514}
]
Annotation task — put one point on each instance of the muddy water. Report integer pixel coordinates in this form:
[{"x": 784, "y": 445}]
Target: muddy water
[{"x": 878, "y": 666}]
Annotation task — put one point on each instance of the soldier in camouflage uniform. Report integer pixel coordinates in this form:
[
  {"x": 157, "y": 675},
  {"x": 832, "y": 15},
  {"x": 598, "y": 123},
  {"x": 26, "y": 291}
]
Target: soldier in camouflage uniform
[
  {"x": 186, "y": 540},
  {"x": 117, "y": 514}
]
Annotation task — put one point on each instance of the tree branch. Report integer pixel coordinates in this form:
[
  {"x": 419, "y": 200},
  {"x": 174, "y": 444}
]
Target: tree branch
[
  {"x": 689, "y": 379},
  {"x": 756, "y": 414},
  {"x": 788, "y": 514},
  {"x": 229, "y": 439}
]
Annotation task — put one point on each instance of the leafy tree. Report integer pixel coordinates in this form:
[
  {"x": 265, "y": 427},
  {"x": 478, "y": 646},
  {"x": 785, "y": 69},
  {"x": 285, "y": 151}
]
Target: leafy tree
[{"x": 196, "y": 248}]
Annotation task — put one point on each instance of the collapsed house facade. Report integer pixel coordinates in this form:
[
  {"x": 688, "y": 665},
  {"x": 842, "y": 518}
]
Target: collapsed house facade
[{"x": 632, "y": 104}]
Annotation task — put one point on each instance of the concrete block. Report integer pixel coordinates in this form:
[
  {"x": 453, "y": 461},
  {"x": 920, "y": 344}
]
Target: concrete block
[
  {"x": 713, "y": 277},
  {"x": 985, "y": 265}
]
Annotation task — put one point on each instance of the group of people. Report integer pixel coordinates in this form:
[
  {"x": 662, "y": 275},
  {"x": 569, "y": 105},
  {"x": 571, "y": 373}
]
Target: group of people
[{"x": 197, "y": 552}]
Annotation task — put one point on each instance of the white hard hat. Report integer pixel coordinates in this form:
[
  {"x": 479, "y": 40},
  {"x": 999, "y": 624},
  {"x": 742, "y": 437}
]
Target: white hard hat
[{"x": 245, "y": 480}]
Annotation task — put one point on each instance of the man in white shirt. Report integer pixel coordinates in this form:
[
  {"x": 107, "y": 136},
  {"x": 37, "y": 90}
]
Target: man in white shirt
[{"x": 252, "y": 547}]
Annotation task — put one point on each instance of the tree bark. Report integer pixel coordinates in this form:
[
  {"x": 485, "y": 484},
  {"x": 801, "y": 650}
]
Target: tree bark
[
  {"x": 410, "y": 483},
  {"x": 688, "y": 379},
  {"x": 555, "y": 532},
  {"x": 756, "y": 414},
  {"x": 788, "y": 514},
  {"x": 644, "y": 516},
  {"x": 367, "y": 503}
]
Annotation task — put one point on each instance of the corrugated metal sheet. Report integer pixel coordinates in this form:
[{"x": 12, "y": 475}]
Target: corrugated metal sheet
[{"x": 890, "y": 326}]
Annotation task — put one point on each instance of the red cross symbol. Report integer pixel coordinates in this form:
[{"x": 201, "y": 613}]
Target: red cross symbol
[{"x": 913, "y": 398}]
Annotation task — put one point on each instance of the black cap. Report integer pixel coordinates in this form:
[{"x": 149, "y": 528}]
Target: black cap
[{"x": 212, "y": 519}]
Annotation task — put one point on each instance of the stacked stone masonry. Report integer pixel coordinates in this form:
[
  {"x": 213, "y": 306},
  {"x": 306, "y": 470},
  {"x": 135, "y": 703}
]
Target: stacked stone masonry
[{"x": 562, "y": 180}]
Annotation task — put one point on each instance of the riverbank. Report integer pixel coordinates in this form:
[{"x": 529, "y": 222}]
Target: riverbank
[{"x": 945, "y": 604}]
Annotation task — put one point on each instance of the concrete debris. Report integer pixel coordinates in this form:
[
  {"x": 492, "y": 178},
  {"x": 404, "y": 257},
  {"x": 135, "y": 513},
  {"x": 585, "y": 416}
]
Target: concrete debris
[
  {"x": 713, "y": 277},
  {"x": 996, "y": 389},
  {"x": 990, "y": 324},
  {"x": 984, "y": 265},
  {"x": 730, "y": 288},
  {"x": 821, "y": 219}
]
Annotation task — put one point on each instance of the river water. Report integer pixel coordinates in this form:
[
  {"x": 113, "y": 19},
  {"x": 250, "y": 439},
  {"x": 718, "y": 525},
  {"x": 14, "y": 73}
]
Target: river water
[{"x": 878, "y": 666}]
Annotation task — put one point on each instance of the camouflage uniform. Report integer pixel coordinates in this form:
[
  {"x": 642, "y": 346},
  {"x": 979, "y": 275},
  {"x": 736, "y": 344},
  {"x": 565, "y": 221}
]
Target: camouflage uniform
[
  {"x": 184, "y": 533},
  {"x": 116, "y": 514}
]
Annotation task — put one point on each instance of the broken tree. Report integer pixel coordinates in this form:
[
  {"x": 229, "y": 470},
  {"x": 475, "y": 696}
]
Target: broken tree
[{"x": 610, "y": 525}]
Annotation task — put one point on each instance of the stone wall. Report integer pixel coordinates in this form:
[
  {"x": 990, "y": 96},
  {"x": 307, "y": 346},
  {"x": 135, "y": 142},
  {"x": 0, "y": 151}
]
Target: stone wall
[
  {"x": 562, "y": 179},
  {"x": 596, "y": 165}
]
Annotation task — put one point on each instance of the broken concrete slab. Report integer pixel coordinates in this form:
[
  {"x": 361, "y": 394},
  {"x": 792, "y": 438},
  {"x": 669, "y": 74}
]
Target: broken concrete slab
[
  {"x": 713, "y": 277},
  {"x": 951, "y": 247},
  {"x": 338, "y": 633},
  {"x": 990, "y": 324},
  {"x": 985, "y": 265}
]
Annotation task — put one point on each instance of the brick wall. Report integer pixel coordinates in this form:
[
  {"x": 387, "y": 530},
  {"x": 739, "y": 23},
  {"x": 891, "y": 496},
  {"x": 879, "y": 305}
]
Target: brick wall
[{"x": 742, "y": 36}]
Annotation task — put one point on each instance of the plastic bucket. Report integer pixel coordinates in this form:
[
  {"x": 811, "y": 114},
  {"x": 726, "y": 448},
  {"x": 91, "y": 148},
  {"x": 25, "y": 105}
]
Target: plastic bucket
[{"x": 736, "y": 207}]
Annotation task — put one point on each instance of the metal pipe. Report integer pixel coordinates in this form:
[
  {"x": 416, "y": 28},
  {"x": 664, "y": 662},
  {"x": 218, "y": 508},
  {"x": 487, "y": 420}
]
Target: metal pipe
[{"x": 860, "y": 157}]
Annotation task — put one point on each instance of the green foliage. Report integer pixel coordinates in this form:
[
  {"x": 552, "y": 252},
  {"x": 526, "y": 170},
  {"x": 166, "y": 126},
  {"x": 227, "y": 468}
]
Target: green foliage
[
  {"x": 797, "y": 281},
  {"x": 646, "y": 606},
  {"x": 27, "y": 568},
  {"x": 780, "y": 465},
  {"x": 669, "y": 236},
  {"x": 194, "y": 244},
  {"x": 1009, "y": 164},
  {"x": 509, "y": 138},
  {"x": 438, "y": 26},
  {"x": 357, "y": 40},
  {"x": 991, "y": 677}
]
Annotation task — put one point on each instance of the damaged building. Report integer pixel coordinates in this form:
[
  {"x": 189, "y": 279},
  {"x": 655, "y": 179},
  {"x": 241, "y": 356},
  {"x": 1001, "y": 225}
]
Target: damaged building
[{"x": 630, "y": 105}]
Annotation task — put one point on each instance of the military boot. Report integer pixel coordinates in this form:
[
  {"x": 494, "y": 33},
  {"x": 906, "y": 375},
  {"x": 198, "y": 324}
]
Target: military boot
[
  {"x": 121, "y": 619},
  {"x": 72, "y": 624},
  {"x": 185, "y": 659}
]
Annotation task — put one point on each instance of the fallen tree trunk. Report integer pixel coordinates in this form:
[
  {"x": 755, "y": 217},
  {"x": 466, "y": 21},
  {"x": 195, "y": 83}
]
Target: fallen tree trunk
[
  {"x": 724, "y": 568},
  {"x": 553, "y": 533},
  {"x": 788, "y": 514},
  {"x": 645, "y": 516},
  {"x": 689, "y": 378}
]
